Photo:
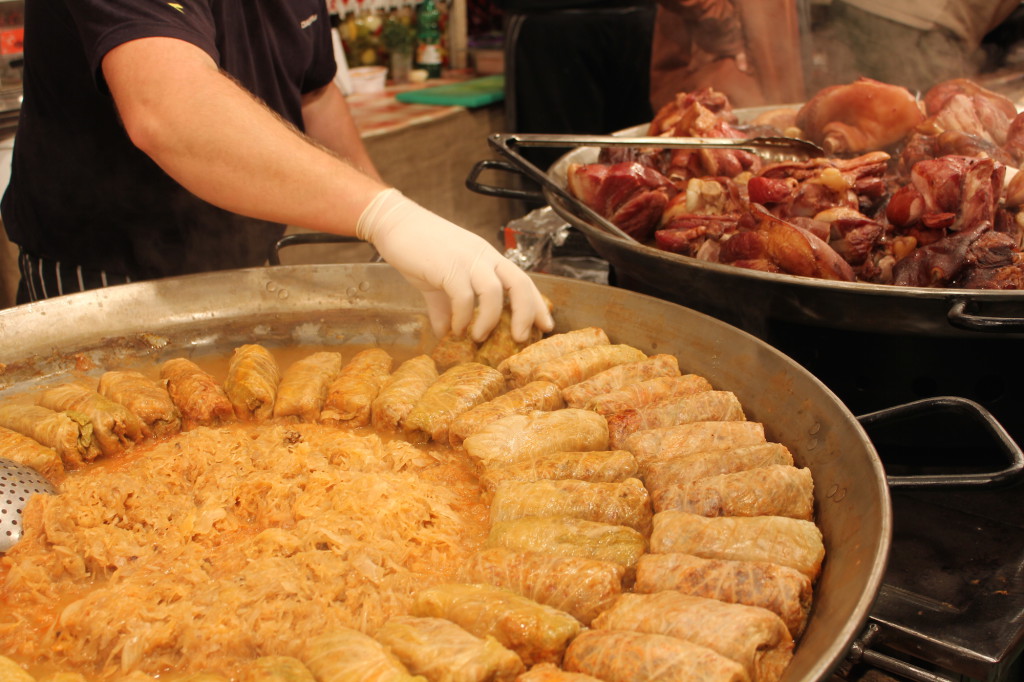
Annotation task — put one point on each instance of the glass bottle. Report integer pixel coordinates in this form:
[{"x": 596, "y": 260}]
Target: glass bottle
[{"x": 428, "y": 39}]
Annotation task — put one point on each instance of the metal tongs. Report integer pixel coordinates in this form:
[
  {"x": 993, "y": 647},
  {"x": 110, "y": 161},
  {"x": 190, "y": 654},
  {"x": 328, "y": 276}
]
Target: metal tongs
[{"x": 771, "y": 149}]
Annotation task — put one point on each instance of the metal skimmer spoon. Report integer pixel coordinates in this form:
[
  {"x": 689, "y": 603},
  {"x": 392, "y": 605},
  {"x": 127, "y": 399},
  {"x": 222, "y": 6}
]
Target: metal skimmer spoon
[{"x": 17, "y": 483}]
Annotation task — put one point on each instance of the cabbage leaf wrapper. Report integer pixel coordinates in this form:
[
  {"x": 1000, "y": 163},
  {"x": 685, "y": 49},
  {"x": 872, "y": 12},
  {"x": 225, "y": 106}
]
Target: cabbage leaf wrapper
[
  {"x": 598, "y": 466},
  {"x": 346, "y": 655},
  {"x": 542, "y": 396},
  {"x": 605, "y": 381},
  {"x": 521, "y": 436},
  {"x": 519, "y": 367},
  {"x": 115, "y": 427},
  {"x": 274, "y": 669},
  {"x": 784, "y": 591},
  {"x": 706, "y": 406},
  {"x": 251, "y": 382},
  {"x": 537, "y": 633},
  {"x": 439, "y": 649},
  {"x": 12, "y": 672},
  {"x": 569, "y": 537},
  {"x": 69, "y": 433},
  {"x": 775, "y": 539},
  {"x": 624, "y": 656},
  {"x": 673, "y": 441},
  {"x": 499, "y": 344},
  {"x": 143, "y": 397},
  {"x": 457, "y": 390},
  {"x": 454, "y": 349},
  {"x": 351, "y": 394},
  {"x": 401, "y": 390},
  {"x": 304, "y": 385},
  {"x": 775, "y": 490},
  {"x": 647, "y": 392},
  {"x": 29, "y": 452},
  {"x": 622, "y": 504},
  {"x": 661, "y": 472},
  {"x": 579, "y": 586},
  {"x": 755, "y": 638},
  {"x": 197, "y": 395},
  {"x": 574, "y": 367}
]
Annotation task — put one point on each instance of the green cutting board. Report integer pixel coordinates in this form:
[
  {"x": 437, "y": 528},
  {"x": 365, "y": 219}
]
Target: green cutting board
[{"x": 476, "y": 92}]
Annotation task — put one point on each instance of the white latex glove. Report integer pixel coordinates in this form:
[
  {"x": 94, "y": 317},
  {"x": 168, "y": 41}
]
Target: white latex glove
[{"x": 452, "y": 267}]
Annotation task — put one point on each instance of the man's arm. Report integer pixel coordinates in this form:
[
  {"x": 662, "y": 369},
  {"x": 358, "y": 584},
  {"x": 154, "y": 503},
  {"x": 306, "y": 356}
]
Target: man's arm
[
  {"x": 329, "y": 121},
  {"x": 223, "y": 145}
]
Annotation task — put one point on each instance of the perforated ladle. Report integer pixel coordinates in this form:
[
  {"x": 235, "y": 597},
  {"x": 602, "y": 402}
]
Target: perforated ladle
[{"x": 17, "y": 483}]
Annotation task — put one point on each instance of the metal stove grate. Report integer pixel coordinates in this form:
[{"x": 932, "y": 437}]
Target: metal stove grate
[{"x": 952, "y": 606}]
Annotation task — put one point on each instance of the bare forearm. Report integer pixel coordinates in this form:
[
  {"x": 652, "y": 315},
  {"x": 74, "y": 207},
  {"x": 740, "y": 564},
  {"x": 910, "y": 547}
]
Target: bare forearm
[
  {"x": 220, "y": 143},
  {"x": 329, "y": 121}
]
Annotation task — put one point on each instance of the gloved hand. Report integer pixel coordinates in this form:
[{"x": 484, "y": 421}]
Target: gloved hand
[{"x": 452, "y": 267}]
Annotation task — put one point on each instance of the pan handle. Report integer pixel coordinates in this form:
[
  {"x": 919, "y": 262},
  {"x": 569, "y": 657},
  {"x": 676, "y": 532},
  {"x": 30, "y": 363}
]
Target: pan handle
[
  {"x": 961, "y": 315},
  {"x": 308, "y": 238},
  {"x": 474, "y": 184},
  {"x": 505, "y": 143},
  {"x": 972, "y": 410}
]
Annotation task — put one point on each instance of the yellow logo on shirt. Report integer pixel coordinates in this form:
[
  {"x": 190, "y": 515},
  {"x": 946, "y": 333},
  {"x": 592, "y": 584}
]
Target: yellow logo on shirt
[{"x": 176, "y": 5}]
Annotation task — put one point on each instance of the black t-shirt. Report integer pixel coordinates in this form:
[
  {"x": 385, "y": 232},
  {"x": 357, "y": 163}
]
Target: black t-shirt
[{"x": 82, "y": 194}]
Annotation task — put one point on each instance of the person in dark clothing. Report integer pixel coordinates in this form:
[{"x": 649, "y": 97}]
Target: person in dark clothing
[
  {"x": 165, "y": 138},
  {"x": 576, "y": 66}
]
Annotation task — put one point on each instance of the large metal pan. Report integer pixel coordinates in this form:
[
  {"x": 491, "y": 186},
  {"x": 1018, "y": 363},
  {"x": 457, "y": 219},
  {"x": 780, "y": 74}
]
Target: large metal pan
[
  {"x": 747, "y": 298},
  {"x": 145, "y": 323}
]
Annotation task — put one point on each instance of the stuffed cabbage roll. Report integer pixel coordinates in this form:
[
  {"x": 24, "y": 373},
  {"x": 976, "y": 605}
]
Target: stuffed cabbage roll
[
  {"x": 251, "y": 382},
  {"x": 304, "y": 385},
  {"x": 69, "y": 433},
  {"x": 144, "y": 398},
  {"x": 622, "y": 656},
  {"x": 579, "y": 586},
  {"x": 275, "y": 669},
  {"x": 775, "y": 539},
  {"x": 454, "y": 349},
  {"x": 706, "y": 406},
  {"x": 776, "y": 490},
  {"x": 570, "y": 537},
  {"x": 597, "y": 466},
  {"x": 346, "y": 655},
  {"x": 621, "y": 504},
  {"x": 613, "y": 378},
  {"x": 439, "y": 650},
  {"x": 522, "y": 436},
  {"x": 647, "y": 392},
  {"x": 457, "y": 390},
  {"x": 499, "y": 344},
  {"x": 537, "y": 633},
  {"x": 197, "y": 395},
  {"x": 784, "y": 591},
  {"x": 519, "y": 368},
  {"x": 350, "y": 396},
  {"x": 659, "y": 473},
  {"x": 673, "y": 441},
  {"x": 24, "y": 450},
  {"x": 400, "y": 392},
  {"x": 536, "y": 395},
  {"x": 114, "y": 426},
  {"x": 755, "y": 638},
  {"x": 574, "y": 367}
]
